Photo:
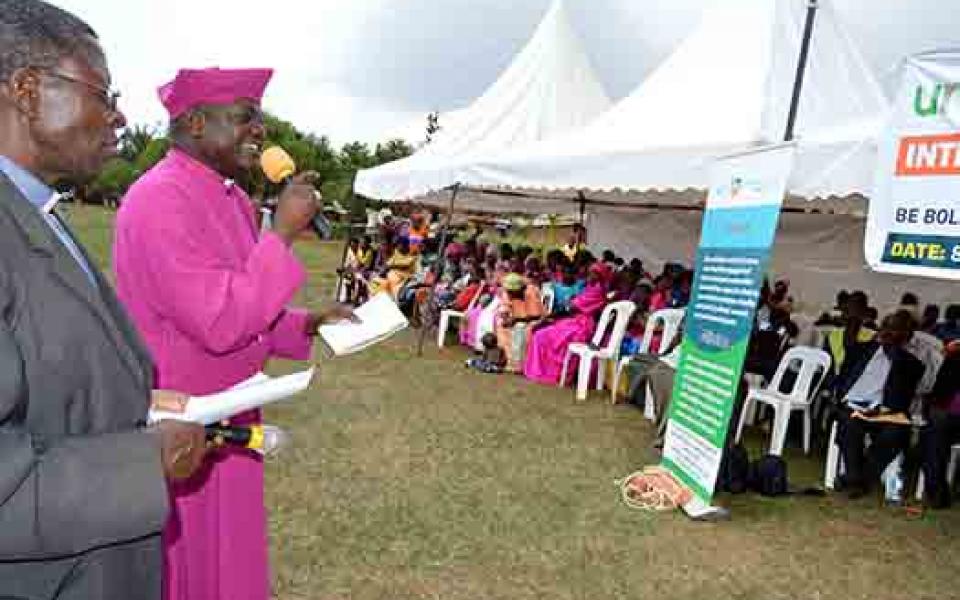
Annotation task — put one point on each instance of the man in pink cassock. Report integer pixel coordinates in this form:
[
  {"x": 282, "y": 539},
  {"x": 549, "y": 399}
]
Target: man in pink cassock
[{"x": 210, "y": 296}]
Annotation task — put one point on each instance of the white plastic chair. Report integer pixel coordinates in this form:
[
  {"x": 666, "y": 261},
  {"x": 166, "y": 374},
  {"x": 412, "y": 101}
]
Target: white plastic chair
[
  {"x": 448, "y": 314},
  {"x": 669, "y": 319},
  {"x": 547, "y": 296},
  {"x": 620, "y": 313},
  {"x": 800, "y": 398}
]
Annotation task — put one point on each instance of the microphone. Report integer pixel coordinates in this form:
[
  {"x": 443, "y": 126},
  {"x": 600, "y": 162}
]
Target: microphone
[
  {"x": 265, "y": 440},
  {"x": 279, "y": 167}
]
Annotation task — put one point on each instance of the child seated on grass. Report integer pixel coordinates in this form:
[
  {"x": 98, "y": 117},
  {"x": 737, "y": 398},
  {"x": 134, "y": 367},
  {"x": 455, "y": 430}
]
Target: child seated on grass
[{"x": 493, "y": 359}]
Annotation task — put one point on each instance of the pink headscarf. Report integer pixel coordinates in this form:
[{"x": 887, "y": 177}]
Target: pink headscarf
[{"x": 603, "y": 272}]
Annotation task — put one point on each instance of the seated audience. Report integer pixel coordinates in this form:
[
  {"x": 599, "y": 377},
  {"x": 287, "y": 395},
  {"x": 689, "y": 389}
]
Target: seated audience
[
  {"x": 949, "y": 330},
  {"x": 520, "y": 260},
  {"x": 768, "y": 343},
  {"x": 504, "y": 264},
  {"x": 574, "y": 244},
  {"x": 520, "y": 306},
  {"x": 851, "y": 334},
  {"x": 465, "y": 296},
  {"x": 780, "y": 297},
  {"x": 399, "y": 268},
  {"x": 636, "y": 268},
  {"x": 418, "y": 232},
  {"x": 843, "y": 297},
  {"x": 911, "y": 303},
  {"x": 533, "y": 271},
  {"x": 549, "y": 342},
  {"x": 555, "y": 262},
  {"x": 351, "y": 276},
  {"x": 878, "y": 382},
  {"x": 680, "y": 293},
  {"x": 662, "y": 292},
  {"x": 929, "y": 319},
  {"x": 565, "y": 288}
]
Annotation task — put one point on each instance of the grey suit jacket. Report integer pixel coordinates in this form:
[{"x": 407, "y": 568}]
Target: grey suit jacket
[{"x": 82, "y": 494}]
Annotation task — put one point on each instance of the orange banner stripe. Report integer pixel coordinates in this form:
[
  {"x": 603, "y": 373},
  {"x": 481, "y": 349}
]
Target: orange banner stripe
[{"x": 929, "y": 155}]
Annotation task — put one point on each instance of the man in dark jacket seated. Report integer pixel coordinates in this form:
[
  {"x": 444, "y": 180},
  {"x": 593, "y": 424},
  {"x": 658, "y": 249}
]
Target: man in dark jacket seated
[{"x": 878, "y": 382}]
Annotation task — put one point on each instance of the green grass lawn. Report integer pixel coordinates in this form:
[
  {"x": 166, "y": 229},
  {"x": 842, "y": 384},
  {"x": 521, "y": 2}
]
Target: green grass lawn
[{"x": 413, "y": 478}]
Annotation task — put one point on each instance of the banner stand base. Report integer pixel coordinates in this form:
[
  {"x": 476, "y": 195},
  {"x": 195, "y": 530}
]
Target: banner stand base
[{"x": 698, "y": 510}]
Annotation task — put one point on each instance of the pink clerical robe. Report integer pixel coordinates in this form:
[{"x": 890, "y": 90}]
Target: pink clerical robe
[{"x": 209, "y": 295}]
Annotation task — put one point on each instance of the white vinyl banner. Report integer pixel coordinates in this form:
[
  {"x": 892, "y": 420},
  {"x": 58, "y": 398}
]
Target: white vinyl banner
[{"x": 914, "y": 223}]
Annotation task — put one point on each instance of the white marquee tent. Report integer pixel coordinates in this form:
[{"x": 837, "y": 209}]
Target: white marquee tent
[
  {"x": 726, "y": 87},
  {"x": 549, "y": 87}
]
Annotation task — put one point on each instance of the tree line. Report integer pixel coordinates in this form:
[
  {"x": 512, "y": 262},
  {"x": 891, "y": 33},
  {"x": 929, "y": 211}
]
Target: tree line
[{"x": 141, "y": 147}]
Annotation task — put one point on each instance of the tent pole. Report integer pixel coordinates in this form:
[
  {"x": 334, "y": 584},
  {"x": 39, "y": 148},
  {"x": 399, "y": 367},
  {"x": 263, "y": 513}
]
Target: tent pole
[
  {"x": 801, "y": 69},
  {"x": 582, "y": 198},
  {"x": 346, "y": 245},
  {"x": 444, "y": 235}
]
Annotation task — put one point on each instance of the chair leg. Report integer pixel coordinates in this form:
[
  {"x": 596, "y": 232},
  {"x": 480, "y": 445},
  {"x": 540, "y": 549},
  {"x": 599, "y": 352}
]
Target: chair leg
[
  {"x": 751, "y": 415},
  {"x": 601, "y": 373},
  {"x": 583, "y": 376},
  {"x": 617, "y": 373},
  {"x": 807, "y": 429},
  {"x": 649, "y": 408},
  {"x": 833, "y": 460},
  {"x": 442, "y": 329},
  {"x": 781, "y": 420},
  {"x": 952, "y": 467},
  {"x": 563, "y": 372},
  {"x": 747, "y": 405}
]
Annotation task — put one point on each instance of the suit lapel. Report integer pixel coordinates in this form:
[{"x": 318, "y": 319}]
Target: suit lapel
[
  {"x": 64, "y": 267},
  {"x": 117, "y": 315}
]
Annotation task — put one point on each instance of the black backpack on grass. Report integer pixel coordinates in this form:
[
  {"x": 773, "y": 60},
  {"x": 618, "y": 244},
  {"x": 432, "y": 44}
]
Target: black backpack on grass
[
  {"x": 768, "y": 476},
  {"x": 734, "y": 470}
]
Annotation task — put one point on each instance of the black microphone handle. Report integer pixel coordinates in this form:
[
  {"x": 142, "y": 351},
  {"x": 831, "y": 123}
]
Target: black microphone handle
[
  {"x": 319, "y": 224},
  {"x": 232, "y": 435}
]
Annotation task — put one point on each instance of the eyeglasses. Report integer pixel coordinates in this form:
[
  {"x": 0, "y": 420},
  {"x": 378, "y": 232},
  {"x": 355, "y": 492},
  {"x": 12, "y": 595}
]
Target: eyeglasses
[
  {"x": 108, "y": 97},
  {"x": 246, "y": 115}
]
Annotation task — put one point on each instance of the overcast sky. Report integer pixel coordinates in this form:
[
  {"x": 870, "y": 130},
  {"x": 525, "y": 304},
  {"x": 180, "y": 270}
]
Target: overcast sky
[{"x": 368, "y": 69}]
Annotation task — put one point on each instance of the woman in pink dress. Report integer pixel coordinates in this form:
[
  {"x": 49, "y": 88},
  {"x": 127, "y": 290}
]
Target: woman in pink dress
[{"x": 548, "y": 345}]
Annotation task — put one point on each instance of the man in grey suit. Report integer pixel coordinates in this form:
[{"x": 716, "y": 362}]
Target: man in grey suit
[{"x": 83, "y": 492}]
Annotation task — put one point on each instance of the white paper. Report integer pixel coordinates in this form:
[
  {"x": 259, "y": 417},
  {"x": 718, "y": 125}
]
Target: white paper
[
  {"x": 255, "y": 392},
  {"x": 379, "y": 318}
]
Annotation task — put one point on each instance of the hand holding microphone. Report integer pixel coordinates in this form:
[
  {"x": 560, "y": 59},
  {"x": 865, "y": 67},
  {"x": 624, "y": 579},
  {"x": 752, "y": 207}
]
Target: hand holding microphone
[{"x": 298, "y": 207}]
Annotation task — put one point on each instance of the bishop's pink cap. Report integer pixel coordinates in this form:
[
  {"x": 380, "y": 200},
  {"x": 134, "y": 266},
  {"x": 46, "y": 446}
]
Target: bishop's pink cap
[{"x": 195, "y": 87}]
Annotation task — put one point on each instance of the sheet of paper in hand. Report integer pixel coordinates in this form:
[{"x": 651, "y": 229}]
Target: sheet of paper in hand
[
  {"x": 379, "y": 319},
  {"x": 255, "y": 392}
]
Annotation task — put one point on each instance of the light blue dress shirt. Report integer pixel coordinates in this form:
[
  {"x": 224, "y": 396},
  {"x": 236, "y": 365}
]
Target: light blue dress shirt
[{"x": 39, "y": 193}]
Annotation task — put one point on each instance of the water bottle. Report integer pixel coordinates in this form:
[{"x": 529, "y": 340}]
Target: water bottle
[{"x": 893, "y": 481}]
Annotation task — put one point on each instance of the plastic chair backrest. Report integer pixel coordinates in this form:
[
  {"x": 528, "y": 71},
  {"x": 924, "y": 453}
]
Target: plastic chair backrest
[
  {"x": 547, "y": 297},
  {"x": 811, "y": 361},
  {"x": 620, "y": 313},
  {"x": 670, "y": 319}
]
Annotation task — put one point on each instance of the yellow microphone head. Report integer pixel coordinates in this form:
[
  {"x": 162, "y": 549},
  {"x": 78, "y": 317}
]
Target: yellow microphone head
[{"x": 277, "y": 165}]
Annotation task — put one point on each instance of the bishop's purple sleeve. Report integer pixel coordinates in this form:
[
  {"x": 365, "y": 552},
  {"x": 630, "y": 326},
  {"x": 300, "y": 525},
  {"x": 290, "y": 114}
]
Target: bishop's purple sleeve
[
  {"x": 222, "y": 308},
  {"x": 288, "y": 338}
]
